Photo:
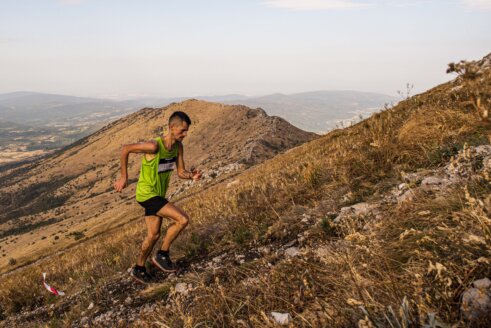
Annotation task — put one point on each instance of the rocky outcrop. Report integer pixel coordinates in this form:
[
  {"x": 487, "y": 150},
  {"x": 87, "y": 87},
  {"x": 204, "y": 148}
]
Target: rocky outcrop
[{"x": 476, "y": 301}]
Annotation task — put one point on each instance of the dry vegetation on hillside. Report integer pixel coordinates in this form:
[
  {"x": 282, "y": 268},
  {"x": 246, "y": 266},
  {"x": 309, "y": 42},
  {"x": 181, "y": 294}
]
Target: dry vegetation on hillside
[
  {"x": 406, "y": 265},
  {"x": 47, "y": 202}
]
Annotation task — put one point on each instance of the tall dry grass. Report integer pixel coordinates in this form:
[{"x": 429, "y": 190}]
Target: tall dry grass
[{"x": 351, "y": 276}]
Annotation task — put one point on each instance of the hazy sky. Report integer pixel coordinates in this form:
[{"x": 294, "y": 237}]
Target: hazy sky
[{"x": 210, "y": 47}]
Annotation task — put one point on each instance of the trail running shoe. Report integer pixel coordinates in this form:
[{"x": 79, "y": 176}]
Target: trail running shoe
[
  {"x": 164, "y": 263},
  {"x": 141, "y": 275}
]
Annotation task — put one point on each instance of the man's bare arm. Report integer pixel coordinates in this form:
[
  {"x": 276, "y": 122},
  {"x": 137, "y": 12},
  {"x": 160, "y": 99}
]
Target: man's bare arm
[
  {"x": 181, "y": 167},
  {"x": 149, "y": 147}
]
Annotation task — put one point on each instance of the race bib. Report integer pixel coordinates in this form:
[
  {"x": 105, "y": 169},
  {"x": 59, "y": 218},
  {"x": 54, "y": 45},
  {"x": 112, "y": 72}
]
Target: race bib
[{"x": 167, "y": 164}]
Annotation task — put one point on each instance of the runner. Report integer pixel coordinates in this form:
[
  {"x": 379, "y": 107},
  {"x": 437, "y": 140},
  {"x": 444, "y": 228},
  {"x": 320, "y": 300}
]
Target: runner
[{"x": 159, "y": 160}]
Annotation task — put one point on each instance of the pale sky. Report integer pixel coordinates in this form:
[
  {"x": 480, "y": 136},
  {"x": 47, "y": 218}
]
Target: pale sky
[{"x": 253, "y": 47}]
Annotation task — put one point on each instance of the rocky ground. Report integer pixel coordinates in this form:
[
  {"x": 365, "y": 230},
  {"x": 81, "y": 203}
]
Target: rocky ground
[{"x": 122, "y": 302}]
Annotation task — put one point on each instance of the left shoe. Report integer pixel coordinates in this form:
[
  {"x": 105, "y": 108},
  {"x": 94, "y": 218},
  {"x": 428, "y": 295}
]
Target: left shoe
[
  {"x": 141, "y": 275},
  {"x": 164, "y": 263}
]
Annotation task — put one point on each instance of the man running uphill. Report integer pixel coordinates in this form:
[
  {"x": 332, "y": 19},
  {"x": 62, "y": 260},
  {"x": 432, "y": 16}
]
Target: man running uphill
[{"x": 159, "y": 159}]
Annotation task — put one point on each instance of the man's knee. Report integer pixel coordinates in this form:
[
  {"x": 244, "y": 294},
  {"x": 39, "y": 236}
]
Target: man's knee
[{"x": 183, "y": 220}]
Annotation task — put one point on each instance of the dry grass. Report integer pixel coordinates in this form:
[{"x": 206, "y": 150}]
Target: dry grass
[
  {"x": 74, "y": 270},
  {"x": 399, "y": 272}
]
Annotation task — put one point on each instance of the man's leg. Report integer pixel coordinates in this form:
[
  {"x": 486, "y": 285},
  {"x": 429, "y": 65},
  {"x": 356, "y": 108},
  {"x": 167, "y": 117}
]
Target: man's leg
[
  {"x": 180, "y": 219},
  {"x": 153, "y": 233}
]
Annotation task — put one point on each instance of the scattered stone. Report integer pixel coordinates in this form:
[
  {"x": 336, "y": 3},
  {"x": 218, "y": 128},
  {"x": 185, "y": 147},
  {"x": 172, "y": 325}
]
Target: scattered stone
[
  {"x": 431, "y": 181},
  {"x": 128, "y": 300},
  {"x": 407, "y": 196},
  {"x": 484, "y": 283},
  {"x": 217, "y": 259},
  {"x": 305, "y": 218},
  {"x": 182, "y": 288},
  {"x": 292, "y": 252},
  {"x": 265, "y": 250},
  {"x": 486, "y": 162},
  {"x": 467, "y": 162},
  {"x": 476, "y": 301},
  {"x": 84, "y": 320},
  {"x": 283, "y": 319},
  {"x": 355, "y": 210},
  {"x": 91, "y": 306},
  {"x": 482, "y": 150},
  {"x": 362, "y": 208},
  {"x": 323, "y": 253}
]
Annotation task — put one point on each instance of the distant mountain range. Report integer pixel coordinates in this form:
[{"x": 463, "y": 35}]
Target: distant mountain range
[
  {"x": 40, "y": 109},
  {"x": 317, "y": 111}
]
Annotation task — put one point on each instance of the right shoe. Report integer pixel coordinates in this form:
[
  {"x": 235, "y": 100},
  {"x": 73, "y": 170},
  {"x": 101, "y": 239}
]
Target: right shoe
[
  {"x": 141, "y": 275},
  {"x": 164, "y": 263}
]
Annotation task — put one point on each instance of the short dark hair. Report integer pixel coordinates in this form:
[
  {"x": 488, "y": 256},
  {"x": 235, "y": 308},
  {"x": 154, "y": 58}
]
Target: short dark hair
[{"x": 181, "y": 116}]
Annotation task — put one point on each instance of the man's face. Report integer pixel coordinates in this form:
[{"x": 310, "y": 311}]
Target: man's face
[{"x": 179, "y": 130}]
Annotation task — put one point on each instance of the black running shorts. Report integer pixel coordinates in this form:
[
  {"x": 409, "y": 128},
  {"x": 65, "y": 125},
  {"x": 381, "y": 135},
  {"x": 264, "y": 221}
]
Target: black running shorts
[{"x": 153, "y": 205}]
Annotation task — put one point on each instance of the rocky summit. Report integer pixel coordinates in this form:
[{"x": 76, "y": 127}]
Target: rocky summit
[{"x": 55, "y": 201}]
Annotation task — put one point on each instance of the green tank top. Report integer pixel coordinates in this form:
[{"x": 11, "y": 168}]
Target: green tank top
[{"x": 155, "y": 173}]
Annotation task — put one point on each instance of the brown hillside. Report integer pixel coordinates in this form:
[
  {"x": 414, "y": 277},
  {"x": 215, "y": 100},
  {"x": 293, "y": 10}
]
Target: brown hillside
[
  {"x": 69, "y": 195},
  {"x": 382, "y": 224}
]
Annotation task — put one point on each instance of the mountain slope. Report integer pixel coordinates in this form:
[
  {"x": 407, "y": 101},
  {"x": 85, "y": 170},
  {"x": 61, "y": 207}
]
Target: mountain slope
[
  {"x": 71, "y": 192},
  {"x": 385, "y": 223}
]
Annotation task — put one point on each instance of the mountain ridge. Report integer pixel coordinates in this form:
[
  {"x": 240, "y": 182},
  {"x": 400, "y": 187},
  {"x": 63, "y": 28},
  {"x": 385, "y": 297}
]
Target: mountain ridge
[{"x": 84, "y": 171}]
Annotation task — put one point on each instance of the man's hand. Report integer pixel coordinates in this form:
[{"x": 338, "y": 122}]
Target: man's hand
[
  {"x": 121, "y": 184},
  {"x": 196, "y": 174}
]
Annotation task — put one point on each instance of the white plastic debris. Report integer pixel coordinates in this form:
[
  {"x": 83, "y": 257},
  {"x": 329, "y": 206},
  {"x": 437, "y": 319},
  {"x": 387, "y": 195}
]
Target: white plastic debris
[{"x": 51, "y": 289}]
